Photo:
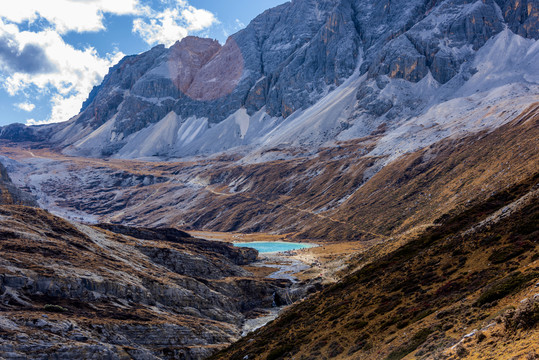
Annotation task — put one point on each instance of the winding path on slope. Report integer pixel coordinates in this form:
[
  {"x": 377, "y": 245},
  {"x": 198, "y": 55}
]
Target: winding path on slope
[
  {"x": 292, "y": 208},
  {"x": 208, "y": 188}
]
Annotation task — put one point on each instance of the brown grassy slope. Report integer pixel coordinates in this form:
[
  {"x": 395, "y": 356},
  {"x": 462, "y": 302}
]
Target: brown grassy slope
[
  {"x": 422, "y": 298},
  {"x": 281, "y": 196},
  {"x": 306, "y": 195},
  {"x": 447, "y": 175}
]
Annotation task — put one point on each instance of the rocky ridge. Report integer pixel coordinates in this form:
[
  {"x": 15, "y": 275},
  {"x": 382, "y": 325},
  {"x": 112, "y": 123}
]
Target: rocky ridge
[
  {"x": 11, "y": 194},
  {"x": 402, "y": 58},
  {"x": 74, "y": 291}
]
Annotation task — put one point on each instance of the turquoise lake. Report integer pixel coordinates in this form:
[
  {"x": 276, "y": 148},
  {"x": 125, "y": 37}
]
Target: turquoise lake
[{"x": 273, "y": 246}]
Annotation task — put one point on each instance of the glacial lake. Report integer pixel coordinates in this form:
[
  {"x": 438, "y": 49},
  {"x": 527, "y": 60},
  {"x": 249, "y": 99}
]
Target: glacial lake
[{"x": 273, "y": 246}]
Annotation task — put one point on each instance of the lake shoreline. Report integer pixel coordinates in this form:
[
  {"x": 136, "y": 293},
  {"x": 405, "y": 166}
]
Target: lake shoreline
[{"x": 275, "y": 247}]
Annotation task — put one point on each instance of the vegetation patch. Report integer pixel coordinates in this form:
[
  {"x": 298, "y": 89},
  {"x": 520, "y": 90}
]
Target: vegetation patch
[
  {"x": 508, "y": 252},
  {"x": 387, "y": 305},
  {"x": 419, "y": 338},
  {"x": 54, "y": 308},
  {"x": 525, "y": 317},
  {"x": 279, "y": 353},
  {"x": 335, "y": 349},
  {"x": 357, "y": 324},
  {"x": 504, "y": 287}
]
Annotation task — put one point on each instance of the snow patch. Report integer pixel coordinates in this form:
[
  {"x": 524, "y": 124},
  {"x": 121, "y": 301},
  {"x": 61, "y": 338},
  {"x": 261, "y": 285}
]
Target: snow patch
[
  {"x": 242, "y": 120},
  {"x": 154, "y": 140},
  {"x": 320, "y": 122}
]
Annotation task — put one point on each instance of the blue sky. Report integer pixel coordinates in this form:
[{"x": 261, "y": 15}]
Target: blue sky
[{"x": 53, "y": 52}]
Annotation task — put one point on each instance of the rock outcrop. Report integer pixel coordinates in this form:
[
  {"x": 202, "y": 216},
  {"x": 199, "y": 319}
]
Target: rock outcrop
[
  {"x": 240, "y": 256},
  {"x": 10, "y": 194},
  {"x": 74, "y": 291}
]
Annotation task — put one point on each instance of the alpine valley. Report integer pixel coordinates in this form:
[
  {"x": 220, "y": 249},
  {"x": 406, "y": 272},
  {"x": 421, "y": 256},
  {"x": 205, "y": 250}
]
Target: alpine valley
[{"x": 400, "y": 136}]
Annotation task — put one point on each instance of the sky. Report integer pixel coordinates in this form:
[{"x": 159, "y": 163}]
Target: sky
[{"x": 53, "y": 52}]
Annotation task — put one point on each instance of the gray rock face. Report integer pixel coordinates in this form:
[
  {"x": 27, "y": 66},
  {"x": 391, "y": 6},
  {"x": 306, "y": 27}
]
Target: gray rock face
[
  {"x": 12, "y": 195},
  {"x": 238, "y": 255},
  {"x": 448, "y": 35},
  {"x": 69, "y": 291},
  {"x": 284, "y": 61},
  {"x": 302, "y": 58},
  {"x": 522, "y": 17},
  {"x": 20, "y": 132}
]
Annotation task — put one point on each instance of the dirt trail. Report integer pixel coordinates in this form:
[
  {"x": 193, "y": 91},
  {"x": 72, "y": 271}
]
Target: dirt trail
[
  {"x": 292, "y": 208},
  {"x": 163, "y": 186}
]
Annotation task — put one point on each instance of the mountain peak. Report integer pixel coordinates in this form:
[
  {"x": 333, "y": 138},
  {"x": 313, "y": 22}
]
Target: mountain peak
[
  {"x": 286, "y": 64},
  {"x": 195, "y": 44}
]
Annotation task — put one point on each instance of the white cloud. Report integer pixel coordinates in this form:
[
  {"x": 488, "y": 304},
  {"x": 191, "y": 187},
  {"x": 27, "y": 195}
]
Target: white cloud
[
  {"x": 41, "y": 60},
  {"x": 197, "y": 19},
  {"x": 239, "y": 24},
  {"x": 162, "y": 29},
  {"x": 172, "y": 24},
  {"x": 70, "y": 78},
  {"x": 26, "y": 106},
  {"x": 67, "y": 15},
  {"x": 63, "y": 108}
]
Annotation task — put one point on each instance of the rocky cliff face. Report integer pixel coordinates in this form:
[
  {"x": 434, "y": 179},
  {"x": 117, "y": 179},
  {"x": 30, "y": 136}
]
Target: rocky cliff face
[
  {"x": 73, "y": 291},
  {"x": 167, "y": 102},
  {"x": 10, "y": 194}
]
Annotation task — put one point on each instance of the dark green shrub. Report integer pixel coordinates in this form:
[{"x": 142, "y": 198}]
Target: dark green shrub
[
  {"x": 387, "y": 305},
  {"x": 481, "y": 336},
  {"x": 403, "y": 324},
  {"x": 504, "y": 287},
  {"x": 54, "y": 308},
  {"x": 508, "y": 252},
  {"x": 357, "y": 324},
  {"x": 419, "y": 338},
  {"x": 335, "y": 349},
  {"x": 279, "y": 352}
]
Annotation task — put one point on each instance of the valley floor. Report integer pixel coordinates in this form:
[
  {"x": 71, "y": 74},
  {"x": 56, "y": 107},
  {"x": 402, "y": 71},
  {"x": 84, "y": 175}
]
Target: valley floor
[{"x": 325, "y": 262}]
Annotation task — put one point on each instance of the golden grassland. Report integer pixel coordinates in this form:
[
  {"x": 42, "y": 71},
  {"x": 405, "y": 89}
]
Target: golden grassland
[{"x": 420, "y": 300}]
